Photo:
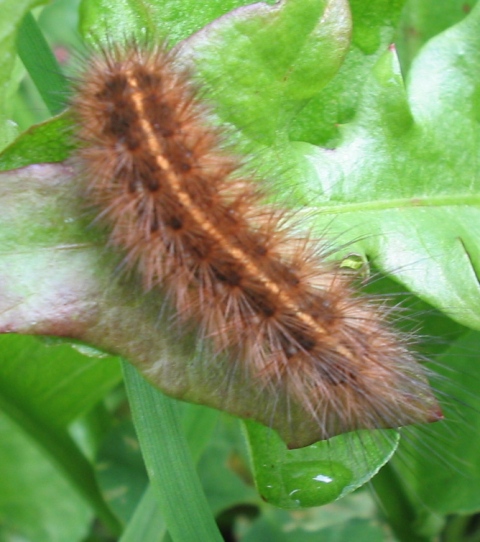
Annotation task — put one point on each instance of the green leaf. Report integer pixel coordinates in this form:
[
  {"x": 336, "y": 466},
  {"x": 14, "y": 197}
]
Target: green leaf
[
  {"x": 37, "y": 504},
  {"x": 422, "y": 20},
  {"x": 49, "y": 141},
  {"x": 275, "y": 68},
  {"x": 320, "y": 473},
  {"x": 54, "y": 382},
  {"x": 172, "y": 19},
  {"x": 373, "y": 24},
  {"x": 405, "y": 176},
  {"x": 434, "y": 455}
]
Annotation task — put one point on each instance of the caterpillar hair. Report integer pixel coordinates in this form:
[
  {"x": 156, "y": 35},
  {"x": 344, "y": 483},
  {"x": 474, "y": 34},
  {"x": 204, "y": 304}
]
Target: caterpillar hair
[{"x": 192, "y": 224}]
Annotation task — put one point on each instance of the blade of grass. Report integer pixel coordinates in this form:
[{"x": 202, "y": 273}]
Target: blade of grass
[
  {"x": 41, "y": 64},
  {"x": 169, "y": 463},
  {"x": 147, "y": 523}
]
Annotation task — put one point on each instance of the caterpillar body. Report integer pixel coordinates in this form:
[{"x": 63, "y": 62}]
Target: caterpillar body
[{"x": 192, "y": 224}]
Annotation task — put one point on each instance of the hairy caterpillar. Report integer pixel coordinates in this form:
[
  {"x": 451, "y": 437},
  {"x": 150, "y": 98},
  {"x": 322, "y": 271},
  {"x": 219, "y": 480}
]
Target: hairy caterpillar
[{"x": 191, "y": 223}]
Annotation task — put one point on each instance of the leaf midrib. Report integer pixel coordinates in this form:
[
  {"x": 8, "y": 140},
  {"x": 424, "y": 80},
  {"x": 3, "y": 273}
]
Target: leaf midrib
[{"x": 402, "y": 203}]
